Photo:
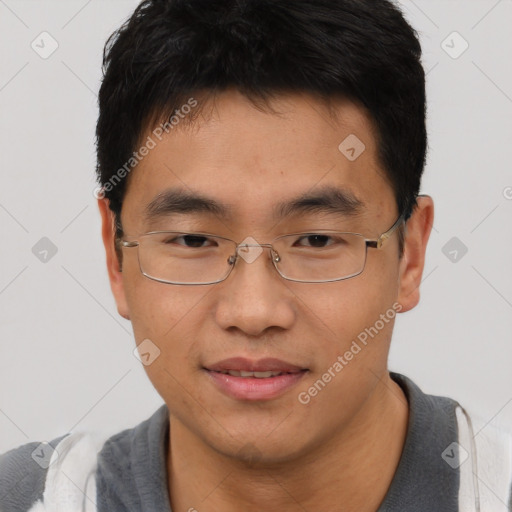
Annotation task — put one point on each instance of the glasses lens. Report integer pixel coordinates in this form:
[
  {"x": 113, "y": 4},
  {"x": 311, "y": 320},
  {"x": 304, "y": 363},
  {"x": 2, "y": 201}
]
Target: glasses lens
[
  {"x": 194, "y": 258},
  {"x": 185, "y": 258},
  {"x": 320, "y": 257}
]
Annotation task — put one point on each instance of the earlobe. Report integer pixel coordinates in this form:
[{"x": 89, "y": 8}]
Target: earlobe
[
  {"x": 113, "y": 264},
  {"x": 418, "y": 231}
]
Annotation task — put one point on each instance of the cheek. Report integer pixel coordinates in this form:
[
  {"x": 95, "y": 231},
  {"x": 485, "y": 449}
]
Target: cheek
[
  {"x": 155, "y": 308},
  {"x": 352, "y": 319},
  {"x": 168, "y": 315},
  {"x": 170, "y": 318},
  {"x": 341, "y": 310},
  {"x": 353, "y": 325}
]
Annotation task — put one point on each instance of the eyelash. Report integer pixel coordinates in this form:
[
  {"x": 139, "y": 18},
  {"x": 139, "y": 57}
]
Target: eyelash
[{"x": 304, "y": 237}]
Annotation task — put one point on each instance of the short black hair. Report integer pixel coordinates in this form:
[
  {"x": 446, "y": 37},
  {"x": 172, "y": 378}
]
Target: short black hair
[{"x": 171, "y": 51}]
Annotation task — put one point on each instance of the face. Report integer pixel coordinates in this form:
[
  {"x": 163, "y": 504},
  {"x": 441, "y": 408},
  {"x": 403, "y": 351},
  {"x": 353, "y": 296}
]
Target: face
[{"x": 250, "y": 161}]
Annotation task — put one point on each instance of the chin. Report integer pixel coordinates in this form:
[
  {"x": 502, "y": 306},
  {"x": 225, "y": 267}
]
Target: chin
[{"x": 255, "y": 451}]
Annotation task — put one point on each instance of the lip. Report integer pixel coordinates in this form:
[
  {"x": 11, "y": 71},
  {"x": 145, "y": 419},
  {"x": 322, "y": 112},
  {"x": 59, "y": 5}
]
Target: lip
[
  {"x": 261, "y": 365},
  {"x": 253, "y": 388}
]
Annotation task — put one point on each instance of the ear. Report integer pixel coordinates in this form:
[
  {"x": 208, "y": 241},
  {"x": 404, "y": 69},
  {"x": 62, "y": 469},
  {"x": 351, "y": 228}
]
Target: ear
[
  {"x": 417, "y": 233},
  {"x": 113, "y": 264}
]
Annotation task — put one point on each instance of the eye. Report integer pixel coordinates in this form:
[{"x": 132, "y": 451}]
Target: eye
[
  {"x": 314, "y": 240},
  {"x": 189, "y": 240},
  {"x": 320, "y": 240}
]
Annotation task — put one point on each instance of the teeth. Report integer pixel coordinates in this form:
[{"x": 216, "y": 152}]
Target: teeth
[{"x": 258, "y": 375}]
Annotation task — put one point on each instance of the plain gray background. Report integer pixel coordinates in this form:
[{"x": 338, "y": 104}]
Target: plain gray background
[{"x": 67, "y": 360}]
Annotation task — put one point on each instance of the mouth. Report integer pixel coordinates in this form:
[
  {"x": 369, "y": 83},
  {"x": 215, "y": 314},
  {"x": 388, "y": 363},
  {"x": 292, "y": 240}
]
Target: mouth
[
  {"x": 257, "y": 375},
  {"x": 243, "y": 379}
]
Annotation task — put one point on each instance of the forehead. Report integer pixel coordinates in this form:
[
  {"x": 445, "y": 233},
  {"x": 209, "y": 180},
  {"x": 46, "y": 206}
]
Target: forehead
[{"x": 253, "y": 161}]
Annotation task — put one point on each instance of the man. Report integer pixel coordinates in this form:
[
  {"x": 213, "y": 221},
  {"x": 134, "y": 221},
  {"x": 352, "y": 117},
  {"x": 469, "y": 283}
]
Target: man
[{"x": 260, "y": 166}]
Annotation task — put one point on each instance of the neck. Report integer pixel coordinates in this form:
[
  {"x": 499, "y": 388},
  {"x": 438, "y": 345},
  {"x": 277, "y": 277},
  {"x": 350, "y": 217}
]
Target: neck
[{"x": 354, "y": 468}]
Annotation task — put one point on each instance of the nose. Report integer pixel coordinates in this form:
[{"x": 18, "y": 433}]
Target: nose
[{"x": 254, "y": 297}]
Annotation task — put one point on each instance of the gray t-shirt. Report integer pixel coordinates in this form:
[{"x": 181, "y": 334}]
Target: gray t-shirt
[{"x": 131, "y": 474}]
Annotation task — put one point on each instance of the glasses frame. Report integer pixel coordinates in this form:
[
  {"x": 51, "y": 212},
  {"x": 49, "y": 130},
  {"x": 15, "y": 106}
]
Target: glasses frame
[{"x": 373, "y": 243}]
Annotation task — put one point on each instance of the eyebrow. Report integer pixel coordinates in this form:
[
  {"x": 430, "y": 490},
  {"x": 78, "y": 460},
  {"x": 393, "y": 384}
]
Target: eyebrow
[
  {"x": 178, "y": 200},
  {"x": 327, "y": 199}
]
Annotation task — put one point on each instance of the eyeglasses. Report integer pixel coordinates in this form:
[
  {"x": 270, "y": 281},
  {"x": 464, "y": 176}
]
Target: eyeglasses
[{"x": 320, "y": 256}]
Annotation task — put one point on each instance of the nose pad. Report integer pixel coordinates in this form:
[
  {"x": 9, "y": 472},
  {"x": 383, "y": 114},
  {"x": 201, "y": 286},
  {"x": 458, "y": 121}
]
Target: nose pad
[{"x": 250, "y": 252}]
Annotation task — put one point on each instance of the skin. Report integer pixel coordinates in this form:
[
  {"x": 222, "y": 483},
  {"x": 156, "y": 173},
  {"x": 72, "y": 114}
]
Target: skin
[{"x": 341, "y": 450}]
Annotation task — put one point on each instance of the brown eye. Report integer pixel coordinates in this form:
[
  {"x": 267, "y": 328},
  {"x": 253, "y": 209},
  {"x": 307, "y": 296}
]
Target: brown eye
[
  {"x": 191, "y": 241},
  {"x": 320, "y": 241},
  {"x": 317, "y": 240}
]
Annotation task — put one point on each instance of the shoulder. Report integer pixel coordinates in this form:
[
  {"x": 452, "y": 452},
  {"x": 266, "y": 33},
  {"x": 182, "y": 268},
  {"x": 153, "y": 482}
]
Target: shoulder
[
  {"x": 132, "y": 455},
  {"x": 485, "y": 459},
  {"x": 23, "y": 472},
  {"x": 132, "y": 467},
  {"x": 60, "y": 473},
  {"x": 472, "y": 453}
]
